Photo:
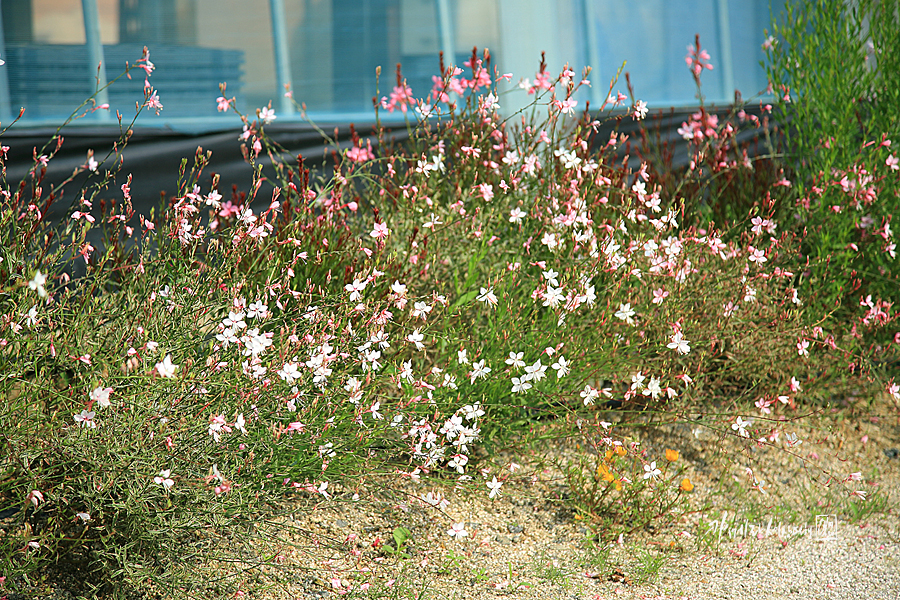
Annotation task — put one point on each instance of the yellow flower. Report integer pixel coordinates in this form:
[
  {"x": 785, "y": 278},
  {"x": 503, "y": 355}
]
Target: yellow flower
[
  {"x": 686, "y": 485},
  {"x": 620, "y": 450},
  {"x": 671, "y": 455}
]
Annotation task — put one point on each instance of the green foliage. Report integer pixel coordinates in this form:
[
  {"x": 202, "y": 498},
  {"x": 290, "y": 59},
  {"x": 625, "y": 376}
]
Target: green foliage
[
  {"x": 398, "y": 316},
  {"x": 834, "y": 72}
]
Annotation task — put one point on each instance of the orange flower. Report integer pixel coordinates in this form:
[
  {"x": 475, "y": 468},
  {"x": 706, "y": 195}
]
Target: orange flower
[
  {"x": 686, "y": 485},
  {"x": 620, "y": 450},
  {"x": 604, "y": 473},
  {"x": 671, "y": 455}
]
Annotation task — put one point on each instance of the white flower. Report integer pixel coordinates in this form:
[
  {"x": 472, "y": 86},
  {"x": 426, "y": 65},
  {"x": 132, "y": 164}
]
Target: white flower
[
  {"x": 257, "y": 310},
  {"x": 757, "y": 256},
  {"x": 487, "y": 295},
  {"x": 421, "y": 309},
  {"x": 32, "y": 317},
  {"x": 38, "y": 284},
  {"x": 637, "y": 381},
  {"x": 479, "y": 370},
  {"x": 535, "y": 372},
  {"x": 589, "y": 394},
  {"x": 553, "y": 296},
  {"x": 520, "y": 385},
  {"x": 473, "y": 411},
  {"x": 416, "y": 338},
  {"x": 515, "y": 360},
  {"x": 653, "y": 388},
  {"x": 494, "y": 486},
  {"x": 741, "y": 425},
  {"x": 561, "y": 367},
  {"x": 267, "y": 115},
  {"x": 640, "y": 110},
  {"x": 549, "y": 240},
  {"x": 679, "y": 344},
  {"x": 516, "y": 215},
  {"x": 371, "y": 359},
  {"x": 166, "y": 368},
  {"x": 406, "y": 372},
  {"x": 100, "y": 395},
  {"x": 461, "y": 357},
  {"x": 458, "y": 462},
  {"x": 458, "y": 531},
  {"x": 234, "y": 321},
  {"x": 290, "y": 372},
  {"x": 240, "y": 424},
  {"x": 625, "y": 313},
  {"x": 651, "y": 472},
  {"x": 551, "y": 276},
  {"x": 374, "y": 410},
  {"x": 356, "y": 289}
]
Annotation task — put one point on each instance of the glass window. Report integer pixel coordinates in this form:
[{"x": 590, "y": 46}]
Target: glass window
[
  {"x": 651, "y": 37},
  {"x": 336, "y": 45},
  {"x": 331, "y": 49}
]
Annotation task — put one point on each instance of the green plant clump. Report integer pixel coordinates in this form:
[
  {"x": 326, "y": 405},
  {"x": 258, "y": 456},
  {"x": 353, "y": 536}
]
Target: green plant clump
[{"x": 169, "y": 380}]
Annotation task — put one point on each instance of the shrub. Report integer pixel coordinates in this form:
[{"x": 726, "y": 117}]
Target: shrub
[
  {"x": 833, "y": 71},
  {"x": 212, "y": 359}
]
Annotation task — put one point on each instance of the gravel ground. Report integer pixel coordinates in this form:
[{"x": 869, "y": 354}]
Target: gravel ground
[
  {"x": 529, "y": 544},
  {"x": 727, "y": 539}
]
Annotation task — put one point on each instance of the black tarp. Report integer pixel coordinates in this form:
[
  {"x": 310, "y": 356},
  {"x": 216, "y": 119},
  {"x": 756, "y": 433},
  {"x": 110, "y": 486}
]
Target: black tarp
[{"x": 153, "y": 156}]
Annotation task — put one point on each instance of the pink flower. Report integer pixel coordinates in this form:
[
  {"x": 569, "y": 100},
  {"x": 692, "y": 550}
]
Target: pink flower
[
  {"x": 757, "y": 256},
  {"x": 763, "y": 405},
  {"x": 894, "y": 390},
  {"x": 153, "y": 102},
  {"x": 567, "y": 107},
  {"x": 267, "y": 115},
  {"x": 380, "y": 231},
  {"x": 487, "y": 191},
  {"x": 86, "y": 419},
  {"x": 357, "y": 154},
  {"x": 35, "y": 497},
  {"x": 164, "y": 480},
  {"x": 640, "y": 110}
]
